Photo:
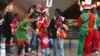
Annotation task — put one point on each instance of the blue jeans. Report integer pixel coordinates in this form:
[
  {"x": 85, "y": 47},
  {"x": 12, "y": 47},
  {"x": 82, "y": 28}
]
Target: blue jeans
[
  {"x": 59, "y": 43},
  {"x": 34, "y": 41},
  {"x": 45, "y": 52}
]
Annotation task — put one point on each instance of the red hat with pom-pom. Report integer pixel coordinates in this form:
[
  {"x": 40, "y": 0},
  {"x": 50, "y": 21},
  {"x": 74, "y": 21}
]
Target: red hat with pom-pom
[{"x": 44, "y": 9}]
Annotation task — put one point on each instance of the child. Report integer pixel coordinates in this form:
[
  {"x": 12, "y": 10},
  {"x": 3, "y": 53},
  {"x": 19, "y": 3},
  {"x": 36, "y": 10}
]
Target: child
[
  {"x": 21, "y": 35},
  {"x": 44, "y": 43},
  {"x": 14, "y": 23}
]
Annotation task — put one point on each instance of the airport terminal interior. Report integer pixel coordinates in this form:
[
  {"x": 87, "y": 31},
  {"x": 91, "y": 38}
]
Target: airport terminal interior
[{"x": 78, "y": 35}]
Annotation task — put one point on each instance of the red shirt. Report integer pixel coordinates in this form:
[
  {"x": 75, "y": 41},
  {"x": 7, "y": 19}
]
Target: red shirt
[{"x": 44, "y": 40}]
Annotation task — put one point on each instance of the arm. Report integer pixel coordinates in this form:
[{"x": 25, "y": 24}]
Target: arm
[
  {"x": 79, "y": 22},
  {"x": 23, "y": 25}
]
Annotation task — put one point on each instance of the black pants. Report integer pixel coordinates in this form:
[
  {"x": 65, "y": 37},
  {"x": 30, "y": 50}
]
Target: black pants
[
  {"x": 8, "y": 39},
  {"x": 1, "y": 31},
  {"x": 20, "y": 48}
]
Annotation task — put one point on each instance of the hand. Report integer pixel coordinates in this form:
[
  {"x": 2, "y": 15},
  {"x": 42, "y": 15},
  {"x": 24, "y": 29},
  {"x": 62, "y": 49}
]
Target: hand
[{"x": 37, "y": 32}]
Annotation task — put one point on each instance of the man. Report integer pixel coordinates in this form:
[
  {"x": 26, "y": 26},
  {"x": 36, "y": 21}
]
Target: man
[
  {"x": 85, "y": 24},
  {"x": 96, "y": 32}
]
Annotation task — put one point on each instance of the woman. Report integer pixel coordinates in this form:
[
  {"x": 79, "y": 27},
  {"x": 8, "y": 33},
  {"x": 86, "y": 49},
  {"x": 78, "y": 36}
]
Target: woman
[
  {"x": 7, "y": 30},
  {"x": 41, "y": 30},
  {"x": 54, "y": 26}
]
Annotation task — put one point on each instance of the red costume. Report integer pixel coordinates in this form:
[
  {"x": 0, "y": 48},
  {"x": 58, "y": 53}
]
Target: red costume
[
  {"x": 86, "y": 25},
  {"x": 41, "y": 27},
  {"x": 14, "y": 25}
]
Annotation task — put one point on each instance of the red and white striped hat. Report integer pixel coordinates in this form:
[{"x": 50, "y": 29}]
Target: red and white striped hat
[
  {"x": 87, "y": 6},
  {"x": 43, "y": 9}
]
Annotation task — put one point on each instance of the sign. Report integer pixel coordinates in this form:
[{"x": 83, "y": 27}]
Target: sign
[
  {"x": 49, "y": 3},
  {"x": 88, "y": 1}
]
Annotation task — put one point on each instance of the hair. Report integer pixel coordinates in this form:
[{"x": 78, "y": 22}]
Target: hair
[
  {"x": 8, "y": 17},
  {"x": 16, "y": 14},
  {"x": 32, "y": 15},
  {"x": 58, "y": 11},
  {"x": 32, "y": 7},
  {"x": 37, "y": 13}
]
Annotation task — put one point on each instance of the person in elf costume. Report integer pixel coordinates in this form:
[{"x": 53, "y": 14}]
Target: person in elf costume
[
  {"x": 21, "y": 35},
  {"x": 42, "y": 25},
  {"x": 95, "y": 43},
  {"x": 86, "y": 27}
]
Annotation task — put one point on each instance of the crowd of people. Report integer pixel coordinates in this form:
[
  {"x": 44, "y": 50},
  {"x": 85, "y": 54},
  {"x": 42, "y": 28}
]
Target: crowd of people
[{"x": 35, "y": 32}]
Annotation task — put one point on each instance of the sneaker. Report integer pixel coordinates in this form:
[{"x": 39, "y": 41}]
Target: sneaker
[
  {"x": 97, "y": 52},
  {"x": 49, "y": 55},
  {"x": 29, "y": 49},
  {"x": 33, "y": 52},
  {"x": 87, "y": 55},
  {"x": 26, "y": 54}
]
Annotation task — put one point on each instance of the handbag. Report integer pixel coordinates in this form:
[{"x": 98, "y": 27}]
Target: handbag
[{"x": 62, "y": 34}]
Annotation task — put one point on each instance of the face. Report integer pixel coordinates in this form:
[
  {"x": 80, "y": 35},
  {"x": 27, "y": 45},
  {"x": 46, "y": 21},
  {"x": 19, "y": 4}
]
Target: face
[
  {"x": 38, "y": 6},
  {"x": 31, "y": 10},
  {"x": 47, "y": 13},
  {"x": 57, "y": 14}
]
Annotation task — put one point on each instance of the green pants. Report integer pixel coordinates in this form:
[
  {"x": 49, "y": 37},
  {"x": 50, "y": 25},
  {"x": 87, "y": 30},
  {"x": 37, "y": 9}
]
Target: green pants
[{"x": 82, "y": 36}]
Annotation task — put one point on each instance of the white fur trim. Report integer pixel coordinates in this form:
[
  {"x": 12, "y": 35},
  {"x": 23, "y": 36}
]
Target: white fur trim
[
  {"x": 93, "y": 6},
  {"x": 41, "y": 21},
  {"x": 87, "y": 7},
  {"x": 44, "y": 10}
]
